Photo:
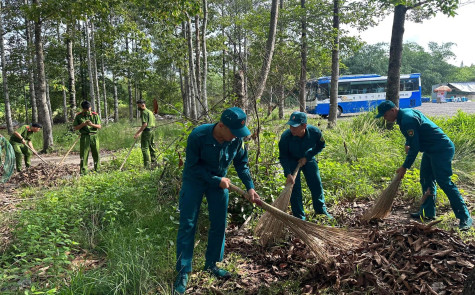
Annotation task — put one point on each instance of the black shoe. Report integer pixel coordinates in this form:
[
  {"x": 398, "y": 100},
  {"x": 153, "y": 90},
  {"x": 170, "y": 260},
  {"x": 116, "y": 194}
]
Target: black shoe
[
  {"x": 419, "y": 216},
  {"x": 180, "y": 284},
  {"x": 219, "y": 272}
]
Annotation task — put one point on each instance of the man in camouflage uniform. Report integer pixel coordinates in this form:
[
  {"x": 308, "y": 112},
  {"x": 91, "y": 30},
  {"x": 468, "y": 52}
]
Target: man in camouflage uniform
[
  {"x": 146, "y": 140},
  {"x": 20, "y": 139},
  {"x": 88, "y": 122}
]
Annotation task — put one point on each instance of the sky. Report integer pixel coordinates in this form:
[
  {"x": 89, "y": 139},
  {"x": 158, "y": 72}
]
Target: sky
[{"x": 459, "y": 30}]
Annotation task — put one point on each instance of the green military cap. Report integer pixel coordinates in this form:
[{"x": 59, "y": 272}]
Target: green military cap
[
  {"x": 384, "y": 107},
  {"x": 297, "y": 119},
  {"x": 235, "y": 119}
]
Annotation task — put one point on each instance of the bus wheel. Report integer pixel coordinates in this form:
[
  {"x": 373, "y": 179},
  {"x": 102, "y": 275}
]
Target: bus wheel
[{"x": 339, "y": 111}]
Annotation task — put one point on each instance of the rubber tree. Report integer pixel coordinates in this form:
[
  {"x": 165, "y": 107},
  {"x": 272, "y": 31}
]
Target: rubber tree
[
  {"x": 419, "y": 10},
  {"x": 6, "y": 94},
  {"x": 335, "y": 65}
]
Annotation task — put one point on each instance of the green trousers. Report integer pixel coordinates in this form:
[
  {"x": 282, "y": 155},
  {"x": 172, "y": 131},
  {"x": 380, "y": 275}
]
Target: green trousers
[
  {"x": 191, "y": 197},
  {"x": 437, "y": 168},
  {"x": 20, "y": 149},
  {"x": 88, "y": 141},
  {"x": 314, "y": 182},
  {"x": 147, "y": 146}
]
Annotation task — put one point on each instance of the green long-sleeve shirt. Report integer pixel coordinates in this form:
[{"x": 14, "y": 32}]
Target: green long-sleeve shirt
[
  {"x": 24, "y": 131},
  {"x": 422, "y": 135},
  {"x": 207, "y": 160},
  {"x": 292, "y": 148}
]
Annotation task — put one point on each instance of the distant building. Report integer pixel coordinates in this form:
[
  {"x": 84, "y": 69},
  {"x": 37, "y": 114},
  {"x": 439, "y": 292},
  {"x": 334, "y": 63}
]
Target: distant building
[{"x": 463, "y": 89}]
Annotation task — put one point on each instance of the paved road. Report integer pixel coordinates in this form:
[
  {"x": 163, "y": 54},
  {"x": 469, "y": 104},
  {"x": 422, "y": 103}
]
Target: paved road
[
  {"x": 447, "y": 109},
  {"x": 436, "y": 109}
]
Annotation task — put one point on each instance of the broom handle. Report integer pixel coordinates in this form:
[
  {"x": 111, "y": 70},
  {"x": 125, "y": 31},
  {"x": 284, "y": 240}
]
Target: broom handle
[
  {"x": 36, "y": 154},
  {"x": 70, "y": 149},
  {"x": 271, "y": 209},
  {"x": 296, "y": 170},
  {"x": 62, "y": 160},
  {"x": 128, "y": 154}
]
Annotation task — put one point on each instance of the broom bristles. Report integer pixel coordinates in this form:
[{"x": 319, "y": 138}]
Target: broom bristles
[
  {"x": 382, "y": 207},
  {"x": 268, "y": 228},
  {"x": 316, "y": 237}
]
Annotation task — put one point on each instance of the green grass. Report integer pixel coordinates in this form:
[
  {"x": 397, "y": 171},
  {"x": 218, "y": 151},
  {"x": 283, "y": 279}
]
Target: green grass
[{"x": 128, "y": 220}]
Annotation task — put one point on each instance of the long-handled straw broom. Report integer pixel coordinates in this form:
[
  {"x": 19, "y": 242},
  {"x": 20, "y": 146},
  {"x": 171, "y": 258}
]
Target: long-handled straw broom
[
  {"x": 382, "y": 206},
  {"x": 269, "y": 228},
  {"x": 316, "y": 237}
]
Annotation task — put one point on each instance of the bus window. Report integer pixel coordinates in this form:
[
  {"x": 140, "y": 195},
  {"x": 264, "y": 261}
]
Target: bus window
[
  {"x": 323, "y": 92},
  {"x": 344, "y": 88}
]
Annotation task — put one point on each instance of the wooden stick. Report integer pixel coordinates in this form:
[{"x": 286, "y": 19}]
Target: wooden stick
[
  {"x": 128, "y": 154},
  {"x": 70, "y": 149},
  {"x": 36, "y": 154},
  {"x": 62, "y": 160}
]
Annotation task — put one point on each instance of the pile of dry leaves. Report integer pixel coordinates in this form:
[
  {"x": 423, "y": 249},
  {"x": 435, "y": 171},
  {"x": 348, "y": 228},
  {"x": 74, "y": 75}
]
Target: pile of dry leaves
[
  {"x": 45, "y": 175},
  {"x": 409, "y": 258}
]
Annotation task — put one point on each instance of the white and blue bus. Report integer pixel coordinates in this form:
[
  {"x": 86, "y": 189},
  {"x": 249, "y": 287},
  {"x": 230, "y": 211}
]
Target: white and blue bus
[{"x": 360, "y": 93}]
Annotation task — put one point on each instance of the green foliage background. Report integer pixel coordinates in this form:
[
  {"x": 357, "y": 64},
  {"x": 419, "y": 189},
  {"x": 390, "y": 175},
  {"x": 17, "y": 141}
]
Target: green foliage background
[{"x": 127, "y": 221}]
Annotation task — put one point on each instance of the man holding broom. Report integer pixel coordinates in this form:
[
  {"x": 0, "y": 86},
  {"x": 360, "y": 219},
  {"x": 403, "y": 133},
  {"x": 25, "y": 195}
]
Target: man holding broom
[
  {"x": 88, "y": 122},
  {"x": 19, "y": 141},
  {"x": 146, "y": 134},
  {"x": 422, "y": 135},
  {"x": 299, "y": 145},
  {"x": 210, "y": 150}
]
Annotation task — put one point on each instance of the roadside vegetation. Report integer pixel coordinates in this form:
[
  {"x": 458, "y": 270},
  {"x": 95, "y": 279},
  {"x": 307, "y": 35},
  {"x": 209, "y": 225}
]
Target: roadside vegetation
[{"x": 114, "y": 232}]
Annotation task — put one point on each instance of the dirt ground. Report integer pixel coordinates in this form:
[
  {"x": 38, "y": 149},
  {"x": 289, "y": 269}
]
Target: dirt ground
[{"x": 399, "y": 256}]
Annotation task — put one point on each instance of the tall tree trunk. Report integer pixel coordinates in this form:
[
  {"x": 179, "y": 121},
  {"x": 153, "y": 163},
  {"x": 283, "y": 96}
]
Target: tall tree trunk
[
  {"x": 71, "y": 77},
  {"x": 198, "y": 61},
  {"x": 224, "y": 64},
  {"x": 191, "y": 72},
  {"x": 129, "y": 86},
  {"x": 239, "y": 89},
  {"x": 280, "y": 86},
  {"x": 95, "y": 76},
  {"x": 48, "y": 101},
  {"x": 30, "y": 63},
  {"x": 27, "y": 120},
  {"x": 106, "y": 115},
  {"x": 303, "y": 59},
  {"x": 90, "y": 68},
  {"x": 204, "y": 93},
  {"x": 395, "y": 54},
  {"x": 44, "y": 115},
  {"x": 280, "y": 99},
  {"x": 65, "y": 101},
  {"x": 335, "y": 65},
  {"x": 82, "y": 62},
  {"x": 116, "y": 100},
  {"x": 6, "y": 95},
  {"x": 274, "y": 14}
]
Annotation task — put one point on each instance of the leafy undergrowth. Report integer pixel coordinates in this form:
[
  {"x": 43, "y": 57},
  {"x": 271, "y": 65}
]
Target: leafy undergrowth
[{"x": 114, "y": 232}]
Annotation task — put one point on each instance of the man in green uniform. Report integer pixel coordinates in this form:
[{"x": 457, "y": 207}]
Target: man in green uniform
[
  {"x": 300, "y": 144},
  {"x": 88, "y": 122},
  {"x": 210, "y": 150},
  {"x": 422, "y": 135},
  {"x": 20, "y": 139},
  {"x": 146, "y": 140}
]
